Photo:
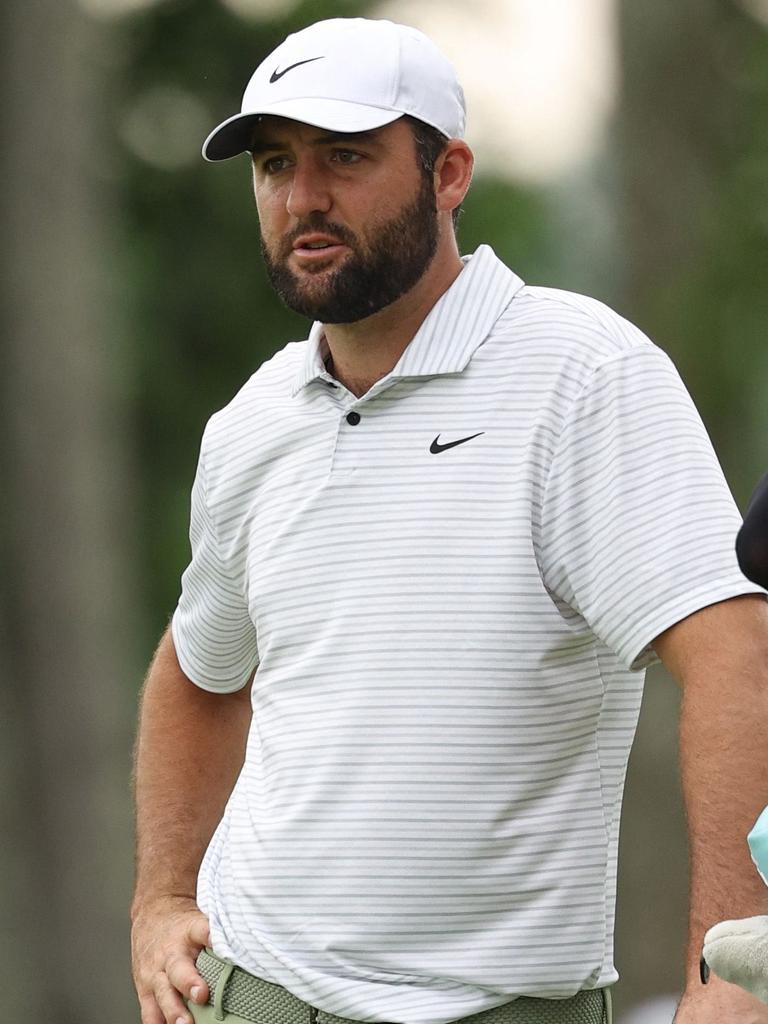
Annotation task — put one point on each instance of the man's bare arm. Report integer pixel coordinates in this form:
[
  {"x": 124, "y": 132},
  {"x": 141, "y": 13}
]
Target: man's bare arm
[
  {"x": 719, "y": 656},
  {"x": 189, "y": 752}
]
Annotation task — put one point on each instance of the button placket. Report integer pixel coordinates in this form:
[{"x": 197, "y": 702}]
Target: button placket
[{"x": 343, "y": 464}]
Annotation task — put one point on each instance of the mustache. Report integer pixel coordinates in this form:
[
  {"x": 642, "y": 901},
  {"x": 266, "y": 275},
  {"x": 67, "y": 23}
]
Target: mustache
[{"x": 321, "y": 225}]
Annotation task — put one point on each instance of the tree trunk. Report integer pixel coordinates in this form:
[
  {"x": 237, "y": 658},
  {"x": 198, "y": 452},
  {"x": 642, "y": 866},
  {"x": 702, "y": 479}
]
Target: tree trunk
[{"x": 68, "y": 593}]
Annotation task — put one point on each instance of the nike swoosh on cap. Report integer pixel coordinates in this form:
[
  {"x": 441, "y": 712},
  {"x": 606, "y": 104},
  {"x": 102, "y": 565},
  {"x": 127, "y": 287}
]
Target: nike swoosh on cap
[
  {"x": 436, "y": 447},
  {"x": 277, "y": 75}
]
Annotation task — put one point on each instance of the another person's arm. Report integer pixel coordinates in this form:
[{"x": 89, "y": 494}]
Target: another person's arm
[
  {"x": 752, "y": 539},
  {"x": 189, "y": 753},
  {"x": 719, "y": 656}
]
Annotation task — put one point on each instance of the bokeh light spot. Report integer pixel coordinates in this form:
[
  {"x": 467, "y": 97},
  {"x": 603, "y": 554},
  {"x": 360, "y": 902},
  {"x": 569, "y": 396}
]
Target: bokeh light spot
[
  {"x": 116, "y": 8},
  {"x": 166, "y": 126},
  {"x": 757, "y": 8},
  {"x": 260, "y": 10}
]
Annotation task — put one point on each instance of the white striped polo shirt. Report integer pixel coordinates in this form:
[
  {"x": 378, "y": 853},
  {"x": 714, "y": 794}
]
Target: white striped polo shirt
[{"x": 450, "y": 586}]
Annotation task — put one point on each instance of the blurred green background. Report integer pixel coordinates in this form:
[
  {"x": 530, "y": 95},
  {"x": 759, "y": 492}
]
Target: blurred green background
[{"x": 134, "y": 304}]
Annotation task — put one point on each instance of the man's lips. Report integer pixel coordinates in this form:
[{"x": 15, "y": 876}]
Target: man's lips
[{"x": 314, "y": 246}]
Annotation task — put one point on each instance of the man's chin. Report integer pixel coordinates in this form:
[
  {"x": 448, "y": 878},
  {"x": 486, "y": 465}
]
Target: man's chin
[
  {"x": 313, "y": 303},
  {"x": 323, "y": 305},
  {"x": 314, "y": 295},
  {"x": 318, "y": 268}
]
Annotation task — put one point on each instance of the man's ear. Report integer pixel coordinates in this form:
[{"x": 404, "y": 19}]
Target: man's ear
[{"x": 453, "y": 173}]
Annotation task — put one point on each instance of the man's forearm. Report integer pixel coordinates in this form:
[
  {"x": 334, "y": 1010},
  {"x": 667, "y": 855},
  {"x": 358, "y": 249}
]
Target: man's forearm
[
  {"x": 723, "y": 759},
  {"x": 189, "y": 751},
  {"x": 720, "y": 658}
]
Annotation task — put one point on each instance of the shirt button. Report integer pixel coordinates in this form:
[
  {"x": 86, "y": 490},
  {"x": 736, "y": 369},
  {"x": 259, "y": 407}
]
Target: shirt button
[{"x": 353, "y": 418}]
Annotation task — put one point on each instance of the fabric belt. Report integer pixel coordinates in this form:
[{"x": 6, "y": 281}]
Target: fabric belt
[{"x": 235, "y": 991}]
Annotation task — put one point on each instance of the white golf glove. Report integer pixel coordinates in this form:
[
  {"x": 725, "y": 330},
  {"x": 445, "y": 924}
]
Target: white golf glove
[{"x": 737, "y": 951}]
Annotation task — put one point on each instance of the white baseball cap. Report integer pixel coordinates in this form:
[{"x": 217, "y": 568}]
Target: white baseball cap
[{"x": 347, "y": 75}]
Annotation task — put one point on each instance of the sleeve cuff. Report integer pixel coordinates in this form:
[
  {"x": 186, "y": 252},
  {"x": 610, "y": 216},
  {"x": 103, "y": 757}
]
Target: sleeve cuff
[
  {"x": 638, "y": 654},
  {"x": 192, "y": 671}
]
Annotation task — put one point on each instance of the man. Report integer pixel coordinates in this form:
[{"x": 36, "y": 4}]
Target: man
[{"x": 447, "y": 533}]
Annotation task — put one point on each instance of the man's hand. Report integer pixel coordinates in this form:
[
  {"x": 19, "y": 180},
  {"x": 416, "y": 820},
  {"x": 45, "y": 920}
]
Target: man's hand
[{"x": 165, "y": 940}]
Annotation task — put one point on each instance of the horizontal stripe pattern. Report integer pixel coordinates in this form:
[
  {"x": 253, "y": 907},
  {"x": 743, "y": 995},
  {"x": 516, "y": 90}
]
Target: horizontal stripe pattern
[{"x": 449, "y": 646}]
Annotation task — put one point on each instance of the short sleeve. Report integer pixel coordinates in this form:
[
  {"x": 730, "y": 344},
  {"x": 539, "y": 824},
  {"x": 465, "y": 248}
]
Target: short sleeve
[
  {"x": 638, "y": 525},
  {"x": 213, "y": 634}
]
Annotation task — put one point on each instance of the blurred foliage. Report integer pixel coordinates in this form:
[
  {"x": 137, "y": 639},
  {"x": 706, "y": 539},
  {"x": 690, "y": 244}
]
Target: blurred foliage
[{"x": 693, "y": 133}]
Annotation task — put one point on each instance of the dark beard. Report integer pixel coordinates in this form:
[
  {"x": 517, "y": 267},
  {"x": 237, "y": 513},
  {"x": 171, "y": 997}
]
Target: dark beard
[{"x": 367, "y": 282}]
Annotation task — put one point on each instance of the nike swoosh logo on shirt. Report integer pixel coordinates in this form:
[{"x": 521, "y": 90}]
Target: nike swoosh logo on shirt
[
  {"x": 436, "y": 447},
  {"x": 277, "y": 75}
]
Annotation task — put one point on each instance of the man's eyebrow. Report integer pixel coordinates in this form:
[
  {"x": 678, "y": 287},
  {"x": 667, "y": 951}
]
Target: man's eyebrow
[
  {"x": 328, "y": 139},
  {"x": 265, "y": 145}
]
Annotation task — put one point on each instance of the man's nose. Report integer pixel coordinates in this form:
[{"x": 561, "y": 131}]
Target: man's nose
[{"x": 309, "y": 191}]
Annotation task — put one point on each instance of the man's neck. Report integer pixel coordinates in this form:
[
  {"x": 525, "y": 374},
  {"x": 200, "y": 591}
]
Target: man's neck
[{"x": 362, "y": 353}]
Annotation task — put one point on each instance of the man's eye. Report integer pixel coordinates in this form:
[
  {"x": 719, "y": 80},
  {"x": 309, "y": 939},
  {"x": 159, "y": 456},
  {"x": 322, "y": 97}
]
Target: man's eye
[
  {"x": 275, "y": 164},
  {"x": 346, "y": 156}
]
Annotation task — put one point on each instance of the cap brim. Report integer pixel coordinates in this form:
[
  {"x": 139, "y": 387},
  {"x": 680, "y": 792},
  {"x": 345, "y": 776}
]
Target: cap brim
[{"x": 235, "y": 135}]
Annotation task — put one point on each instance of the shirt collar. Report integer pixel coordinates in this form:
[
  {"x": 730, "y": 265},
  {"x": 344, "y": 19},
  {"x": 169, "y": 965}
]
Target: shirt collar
[
  {"x": 313, "y": 364},
  {"x": 457, "y": 324}
]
